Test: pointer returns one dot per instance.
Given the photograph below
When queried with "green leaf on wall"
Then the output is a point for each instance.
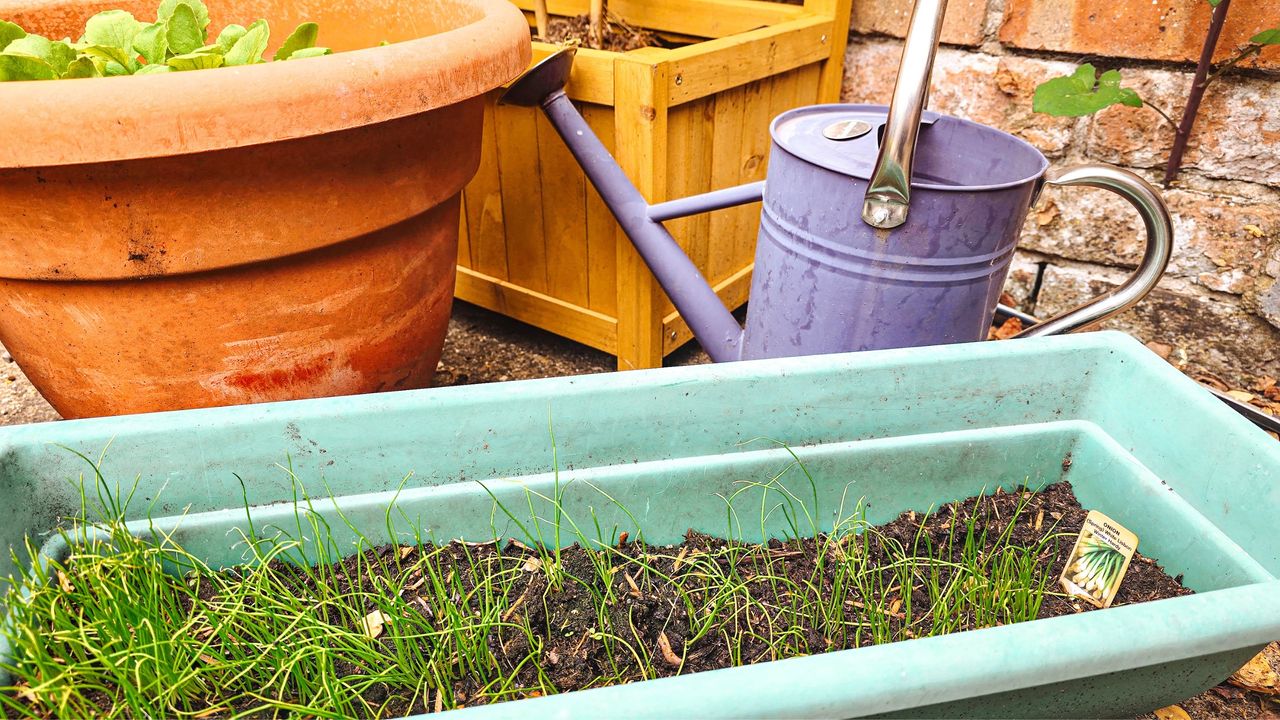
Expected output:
(1082, 93)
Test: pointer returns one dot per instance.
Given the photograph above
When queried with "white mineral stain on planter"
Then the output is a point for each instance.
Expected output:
(86, 319)
(23, 308)
(332, 302)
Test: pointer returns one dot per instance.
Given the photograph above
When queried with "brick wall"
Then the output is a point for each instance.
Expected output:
(1218, 309)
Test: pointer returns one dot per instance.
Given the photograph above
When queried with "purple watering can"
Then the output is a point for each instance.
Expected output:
(880, 228)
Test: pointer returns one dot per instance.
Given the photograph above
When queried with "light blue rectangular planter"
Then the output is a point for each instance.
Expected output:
(906, 429)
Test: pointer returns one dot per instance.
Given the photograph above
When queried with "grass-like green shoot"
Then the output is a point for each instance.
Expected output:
(130, 626)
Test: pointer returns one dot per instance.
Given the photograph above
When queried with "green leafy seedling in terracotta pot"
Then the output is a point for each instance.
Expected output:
(116, 43)
(272, 231)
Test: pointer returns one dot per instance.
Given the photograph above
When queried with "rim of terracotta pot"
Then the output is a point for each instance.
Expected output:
(68, 122)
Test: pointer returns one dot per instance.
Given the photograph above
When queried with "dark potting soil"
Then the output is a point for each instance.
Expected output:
(573, 660)
(564, 620)
(616, 35)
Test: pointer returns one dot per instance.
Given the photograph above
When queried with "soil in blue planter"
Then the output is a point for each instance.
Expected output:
(628, 612)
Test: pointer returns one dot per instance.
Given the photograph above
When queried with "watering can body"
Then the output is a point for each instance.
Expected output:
(825, 281)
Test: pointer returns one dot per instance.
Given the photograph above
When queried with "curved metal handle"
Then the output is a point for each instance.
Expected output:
(889, 191)
(1146, 199)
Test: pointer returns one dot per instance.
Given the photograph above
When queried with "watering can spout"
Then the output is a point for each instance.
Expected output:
(712, 324)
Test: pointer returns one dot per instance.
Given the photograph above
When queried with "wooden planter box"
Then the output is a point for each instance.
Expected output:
(537, 242)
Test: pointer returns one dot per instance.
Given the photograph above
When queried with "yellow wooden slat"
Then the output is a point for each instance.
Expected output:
(564, 217)
(521, 178)
(640, 138)
(602, 229)
(703, 18)
(484, 204)
(464, 237)
(831, 78)
(754, 158)
(585, 326)
(689, 173)
(786, 93)
(726, 171)
(706, 68)
(808, 85)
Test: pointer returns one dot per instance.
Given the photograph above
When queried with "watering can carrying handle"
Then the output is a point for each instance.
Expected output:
(1146, 200)
(888, 195)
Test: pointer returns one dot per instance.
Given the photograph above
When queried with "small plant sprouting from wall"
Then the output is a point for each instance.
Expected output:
(1084, 92)
(116, 43)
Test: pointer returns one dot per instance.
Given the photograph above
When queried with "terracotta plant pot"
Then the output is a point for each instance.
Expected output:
(245, 234)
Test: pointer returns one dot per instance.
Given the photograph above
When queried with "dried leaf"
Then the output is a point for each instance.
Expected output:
(1241, 395)
(371, 624)
(533, 564)
(635, 589)
(1173, 712)
(1227, 692)
(1212, 381)
(210, 712)
(1011, 327)
(895, 606)
(64, 582)
(1257, 675)
(406, 551)
(515, 605)
(1161, 349)
(668, 655)
(1039, 519)
(1255, 231)
(680, 558)
(1045, 215)
(439, 701)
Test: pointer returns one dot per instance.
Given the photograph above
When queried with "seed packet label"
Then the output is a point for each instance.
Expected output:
(1099, 560)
